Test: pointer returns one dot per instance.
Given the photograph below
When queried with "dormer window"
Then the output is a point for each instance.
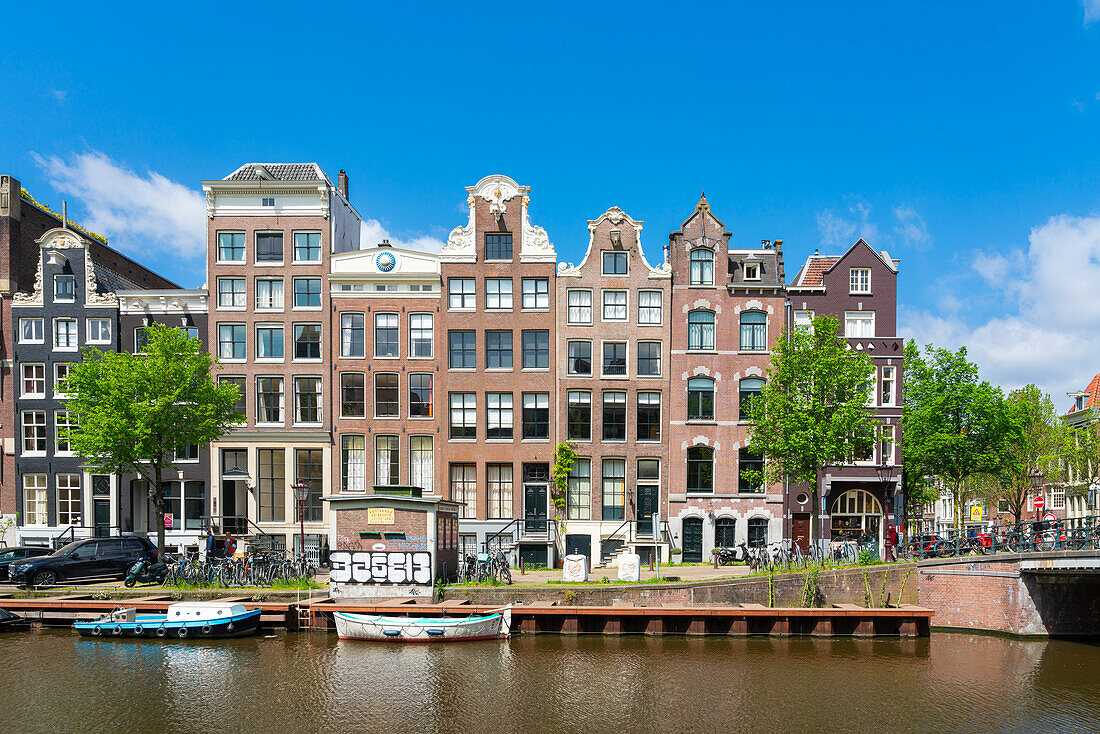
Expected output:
(859, 280)
(1079, 404)
(64, 288)
(752, 271)
(702, 267)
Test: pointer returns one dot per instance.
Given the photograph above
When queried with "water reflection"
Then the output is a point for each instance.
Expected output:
(311, 681)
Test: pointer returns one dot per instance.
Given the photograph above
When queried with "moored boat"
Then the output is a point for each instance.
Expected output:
(9, 620)
(425, 629)
(183, 620)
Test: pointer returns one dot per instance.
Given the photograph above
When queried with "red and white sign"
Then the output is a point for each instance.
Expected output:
(1049, 516)
(168, 520)
(1039, 502)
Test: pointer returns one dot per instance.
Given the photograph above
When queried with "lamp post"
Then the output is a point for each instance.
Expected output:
(1036, 487)
(301, 495)
(884, 471)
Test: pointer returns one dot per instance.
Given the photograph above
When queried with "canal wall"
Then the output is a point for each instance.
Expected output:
(1033, 594)
(834, 586)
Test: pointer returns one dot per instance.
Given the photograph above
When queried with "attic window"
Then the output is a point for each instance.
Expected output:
(752, 271)
(1080, 402)
(267, 201)
(859, 280)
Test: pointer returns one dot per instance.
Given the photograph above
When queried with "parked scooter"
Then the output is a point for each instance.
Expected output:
(144, 572)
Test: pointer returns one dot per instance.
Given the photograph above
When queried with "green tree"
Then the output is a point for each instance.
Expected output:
(133, 411)
(918, 486)
(956, 426)
(1034, 445)
(812, 412)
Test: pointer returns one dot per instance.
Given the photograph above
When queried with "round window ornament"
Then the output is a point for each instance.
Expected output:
(385, 261)
(802, 498)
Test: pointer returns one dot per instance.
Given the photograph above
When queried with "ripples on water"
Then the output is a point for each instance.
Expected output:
(57, 682)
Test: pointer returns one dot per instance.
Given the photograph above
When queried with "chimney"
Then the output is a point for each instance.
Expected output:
(342, 183)
(385, 243)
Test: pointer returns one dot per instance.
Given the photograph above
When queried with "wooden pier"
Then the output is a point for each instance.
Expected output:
(618, 619)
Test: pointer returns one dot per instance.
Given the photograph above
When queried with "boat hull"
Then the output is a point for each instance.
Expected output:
(155, 626)
(397, 629)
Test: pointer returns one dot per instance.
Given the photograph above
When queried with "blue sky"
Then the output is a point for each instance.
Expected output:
(961, 137)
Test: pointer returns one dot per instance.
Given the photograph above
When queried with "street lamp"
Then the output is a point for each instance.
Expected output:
(1036, 487)
(301, 495)
(884, 471)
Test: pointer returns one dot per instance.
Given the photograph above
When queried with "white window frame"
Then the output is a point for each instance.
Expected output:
(751, 271)
(535, 295)
(859, 281)
(270, 304)
(803, 319)
(861, 316)
(294, 244)
(579, 307)
(40, 501)
(660, 308)
(55, 282)
(37, 436)
(270, 326)
(495, 291)
(625, 305)
(31, 321)
(422, 463)
(23, 380)
(462, 294)
(61, 418)
(430, 329)
(97, 339)
(888, 396)
(74, 332)
(57, 367)
(218, 248)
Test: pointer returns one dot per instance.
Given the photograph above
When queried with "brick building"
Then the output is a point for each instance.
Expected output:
(726, 315)
(271, 233)
(859, 288)
(612, 326)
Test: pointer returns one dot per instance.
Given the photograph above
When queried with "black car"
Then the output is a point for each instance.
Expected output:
(94, 558)
(18, 553)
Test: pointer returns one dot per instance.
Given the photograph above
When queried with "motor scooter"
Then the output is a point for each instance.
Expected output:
(143, 572)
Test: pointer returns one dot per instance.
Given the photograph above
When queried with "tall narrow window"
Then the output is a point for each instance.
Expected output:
(579, 358)
(385, 395)
(307, 399)
(578, 500)
(385, 335)
(230, 246)
(750, 471)
(649, 359)
(309, 469)
(580, 307)
(463, 415)
(464, 489)
(238, 382)
(68, 499)
(702, 267)
(499, 491)
(231, 341)
(421, 335)
(231, 293)
(498, 350)
(307, 246)
(307, 341)
(700, 469)
(748, 390)
(614, 488)
(649, 308)
(64, 288)
(34, 381)
(649, 416)
(536, 415)
(269, 400)
(63, 422)
(353, 463)
(614, 415)
(269, 341)
(498, 246)
(614, 359)
(65, 334)
(386, 458)
(35, 509)
(420, 395)
(271, 484)
(352, 335)
(754, 331)
(34, 431)
(579, 415)
(889, 384)
(353, 395)
(498, 415)
(269, 294)
(701, 330)
(421, 463)
(701, 399)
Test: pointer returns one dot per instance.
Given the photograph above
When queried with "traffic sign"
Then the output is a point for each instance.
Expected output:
(1038, 502)
(1049, 516)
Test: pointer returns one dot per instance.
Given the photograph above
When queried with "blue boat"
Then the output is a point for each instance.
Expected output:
(185, 620)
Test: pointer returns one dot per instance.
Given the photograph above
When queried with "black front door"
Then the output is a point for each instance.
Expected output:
(102, 512)
(693, 540)
(647, 505)
(534, 508)
(579, 545)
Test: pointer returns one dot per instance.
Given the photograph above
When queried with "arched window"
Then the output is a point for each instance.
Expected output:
(758, 532)
(700, 469)
(725, 535)
(702, 267)
(701, 330)
(754, 331)
(855, 513)
(749, 388)
(701, 399)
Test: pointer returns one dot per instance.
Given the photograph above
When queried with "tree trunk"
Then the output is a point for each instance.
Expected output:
(158, 502)
(815, 519)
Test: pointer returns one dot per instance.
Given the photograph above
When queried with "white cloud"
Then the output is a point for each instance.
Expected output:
(1092, 10)
(1050, 326)
(138, 213)
(845, 228)
(911, 229)
(372, 232)
(61, 95)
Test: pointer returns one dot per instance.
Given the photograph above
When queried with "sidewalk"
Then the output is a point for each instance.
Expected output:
(700, 572)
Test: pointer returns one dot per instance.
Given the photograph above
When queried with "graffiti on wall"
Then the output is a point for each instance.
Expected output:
(380, 567)
(382, 543)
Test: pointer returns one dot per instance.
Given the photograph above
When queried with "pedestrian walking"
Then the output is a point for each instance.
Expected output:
(211, 544)
(230, 545)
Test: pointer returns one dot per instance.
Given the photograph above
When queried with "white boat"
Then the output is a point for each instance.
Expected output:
(425, 629)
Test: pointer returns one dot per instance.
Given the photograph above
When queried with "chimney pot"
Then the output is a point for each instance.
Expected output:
(342, 183)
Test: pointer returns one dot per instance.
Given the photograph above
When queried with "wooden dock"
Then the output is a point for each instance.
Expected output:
(618, 619)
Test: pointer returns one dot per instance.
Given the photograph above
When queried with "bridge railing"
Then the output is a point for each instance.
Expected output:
(1029, 536)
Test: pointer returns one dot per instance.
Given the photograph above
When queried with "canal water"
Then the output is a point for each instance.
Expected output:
(54, 681)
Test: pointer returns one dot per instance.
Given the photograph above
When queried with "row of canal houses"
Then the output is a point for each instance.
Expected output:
(362, 364)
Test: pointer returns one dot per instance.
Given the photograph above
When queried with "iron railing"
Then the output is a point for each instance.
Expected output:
(511, 534)
(1029, 536)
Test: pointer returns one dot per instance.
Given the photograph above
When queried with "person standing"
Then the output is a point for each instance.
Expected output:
(230, 545)
(211, 544)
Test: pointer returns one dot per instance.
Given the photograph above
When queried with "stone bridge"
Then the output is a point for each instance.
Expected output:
(1044, 594)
